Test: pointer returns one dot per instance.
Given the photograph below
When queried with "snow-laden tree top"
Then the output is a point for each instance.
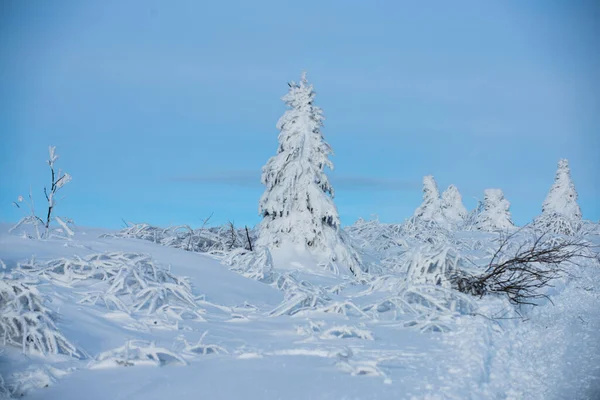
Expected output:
(297, 205)
(431, 208)
(452, 206)
(495, 212)
(562, 197)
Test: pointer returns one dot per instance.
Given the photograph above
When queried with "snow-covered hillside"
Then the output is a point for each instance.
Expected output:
(153, 322)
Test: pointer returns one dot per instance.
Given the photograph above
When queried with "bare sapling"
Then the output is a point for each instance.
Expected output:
(58, 181)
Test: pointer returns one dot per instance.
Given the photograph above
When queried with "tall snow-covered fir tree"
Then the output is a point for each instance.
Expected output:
(297, 205)
(560, 211)
(452, 206)
(431, 207)
(494, 214)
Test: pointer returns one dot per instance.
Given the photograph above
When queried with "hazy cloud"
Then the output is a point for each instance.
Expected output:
(251, 179)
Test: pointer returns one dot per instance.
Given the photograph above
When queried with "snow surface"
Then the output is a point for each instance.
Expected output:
(341, 347)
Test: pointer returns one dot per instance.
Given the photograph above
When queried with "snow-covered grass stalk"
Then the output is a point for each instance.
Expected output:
(25, 321)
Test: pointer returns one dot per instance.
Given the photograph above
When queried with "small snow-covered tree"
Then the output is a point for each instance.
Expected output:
(560, 211)
(562, 197)
(431, 208)
(494, 214)
(297, 205)
(58, 180)
(452, 206)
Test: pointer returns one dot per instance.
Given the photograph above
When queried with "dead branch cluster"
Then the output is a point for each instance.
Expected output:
(523, 273)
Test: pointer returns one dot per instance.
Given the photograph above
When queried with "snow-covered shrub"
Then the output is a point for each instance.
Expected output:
(202, 348)
(257, 264)
(431, 307)
(453, 210)
(4, 391)
(494, 213)
(58, 180)
(297, 206)
(347, 332)
(141, 231)
(431, 265)
(589, 228)
(300, 296)
(560, 211)
(522, 269)
(214, 240)
(34, 378)
(425, 231)
(557, 223)
(137, 352)
(25, 321)
(127, 282)
(375, 235)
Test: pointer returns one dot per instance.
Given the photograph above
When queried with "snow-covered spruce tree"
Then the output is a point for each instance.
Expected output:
(297, 205)
(452, 206)
(494, 214)
(560, 211)
(431, 208)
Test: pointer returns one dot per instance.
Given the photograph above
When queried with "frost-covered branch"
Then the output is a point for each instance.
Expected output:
(523, 274)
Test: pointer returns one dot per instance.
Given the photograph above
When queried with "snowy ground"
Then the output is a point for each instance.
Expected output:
(342, 349)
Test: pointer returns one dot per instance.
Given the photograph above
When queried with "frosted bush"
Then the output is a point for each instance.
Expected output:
(216, 240)
(141, 231)
(431, 265)
(4, 391)
(426, 307)
(34, 378)
(557, 223)
(137, 352)
(376, 236)
(256, 264)
(127, 282)
(25, 321)
(425, 231)
(346, 332)
(300, 296)
(202, 348)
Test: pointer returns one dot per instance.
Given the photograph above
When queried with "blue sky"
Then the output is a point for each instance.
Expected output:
(164, 112)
